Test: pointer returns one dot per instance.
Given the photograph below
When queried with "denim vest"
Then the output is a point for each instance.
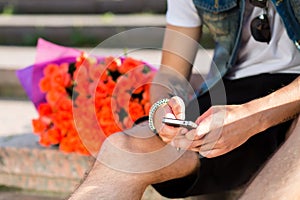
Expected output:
(224, 19)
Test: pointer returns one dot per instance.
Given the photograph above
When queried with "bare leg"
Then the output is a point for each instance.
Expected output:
(280, 178)
(126, 165)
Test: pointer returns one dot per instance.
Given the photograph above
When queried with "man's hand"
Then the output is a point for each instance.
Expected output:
(174, 109)
(221, 129)
(224, 128)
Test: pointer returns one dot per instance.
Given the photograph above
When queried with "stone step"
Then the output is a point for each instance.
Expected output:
(81, 7)
(83, 30)
(75, 30)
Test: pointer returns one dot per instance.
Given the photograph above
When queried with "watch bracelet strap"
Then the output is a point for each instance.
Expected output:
(153, 109)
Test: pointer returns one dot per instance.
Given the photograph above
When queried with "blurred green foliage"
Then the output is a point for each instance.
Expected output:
(8, 9)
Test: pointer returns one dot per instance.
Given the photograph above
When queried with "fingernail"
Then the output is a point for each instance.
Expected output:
(200, 131)
(170, 115)
(181, 116)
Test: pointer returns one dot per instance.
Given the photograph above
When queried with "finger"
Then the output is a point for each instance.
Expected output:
(163, 110)
(170, 115)
(212, 153)
(197, 144)
(201, 145)
(165, 139)
(167, 133)
(182, 131)
(181, 142)
(191, 135)
(203, 116)
(208, 153)
(159, 114)
(203, 128)
(206, 144)
(178, 107)
(211, 141)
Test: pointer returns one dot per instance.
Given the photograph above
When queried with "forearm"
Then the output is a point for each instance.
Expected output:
(179, 49)
(277, 107)
(168, 84)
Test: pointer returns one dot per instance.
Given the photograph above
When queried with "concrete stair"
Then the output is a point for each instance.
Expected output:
(76, 22)
(82, 7)
(74, 30)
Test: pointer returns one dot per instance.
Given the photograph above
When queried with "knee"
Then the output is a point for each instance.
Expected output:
(133, 142)
(117, 140)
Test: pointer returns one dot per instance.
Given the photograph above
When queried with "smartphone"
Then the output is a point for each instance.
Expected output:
(179, 123)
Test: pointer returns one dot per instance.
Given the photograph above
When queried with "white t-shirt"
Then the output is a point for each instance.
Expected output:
(279, 56)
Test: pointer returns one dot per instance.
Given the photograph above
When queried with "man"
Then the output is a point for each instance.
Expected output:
(242, 109)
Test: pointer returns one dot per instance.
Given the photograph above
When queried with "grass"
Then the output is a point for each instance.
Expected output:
(8, 9)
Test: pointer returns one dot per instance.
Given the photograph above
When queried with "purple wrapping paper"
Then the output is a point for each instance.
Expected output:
(47, 53)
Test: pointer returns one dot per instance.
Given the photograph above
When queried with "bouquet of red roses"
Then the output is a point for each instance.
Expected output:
(83, 99)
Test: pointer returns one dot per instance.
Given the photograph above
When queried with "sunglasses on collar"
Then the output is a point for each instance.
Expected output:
(260, 26)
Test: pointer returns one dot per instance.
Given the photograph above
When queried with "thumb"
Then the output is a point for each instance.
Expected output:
(178, 107)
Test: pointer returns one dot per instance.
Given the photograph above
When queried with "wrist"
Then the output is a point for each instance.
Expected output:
(259, 118)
